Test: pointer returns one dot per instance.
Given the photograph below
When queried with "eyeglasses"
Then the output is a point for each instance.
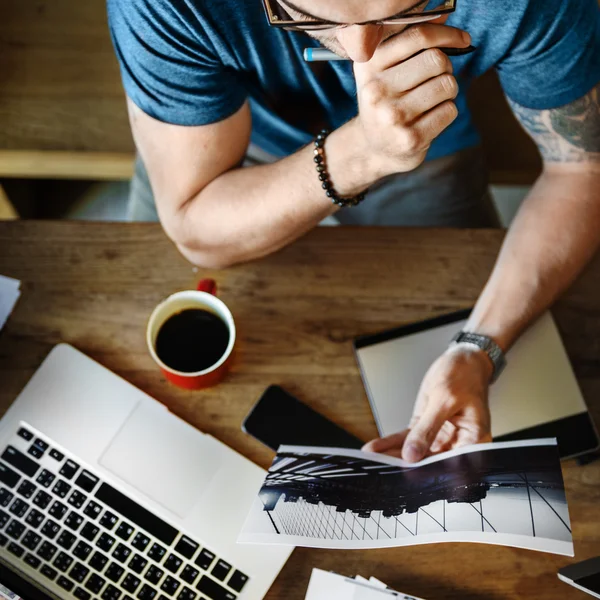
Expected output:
(278, 17)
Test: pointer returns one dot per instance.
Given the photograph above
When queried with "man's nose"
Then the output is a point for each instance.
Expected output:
(360, 41)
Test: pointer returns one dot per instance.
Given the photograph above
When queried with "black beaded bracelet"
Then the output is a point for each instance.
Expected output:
(324, 175)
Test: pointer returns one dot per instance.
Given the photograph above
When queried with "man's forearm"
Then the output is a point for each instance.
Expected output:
(553, 237)
(249, 212)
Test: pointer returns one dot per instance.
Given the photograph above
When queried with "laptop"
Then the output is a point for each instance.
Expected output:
(537, 395)
(106, 494)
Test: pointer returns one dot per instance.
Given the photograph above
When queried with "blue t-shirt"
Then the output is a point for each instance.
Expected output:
(195, 62)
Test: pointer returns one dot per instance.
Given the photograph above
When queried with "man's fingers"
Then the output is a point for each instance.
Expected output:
(417, 70)
(385, 444)
(409, 42)
(421, 436)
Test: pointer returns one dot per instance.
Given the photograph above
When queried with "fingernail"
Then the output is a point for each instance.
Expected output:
(466, 37)
(412, 453)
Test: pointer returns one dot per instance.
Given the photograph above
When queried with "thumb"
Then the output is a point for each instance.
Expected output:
(423, 433)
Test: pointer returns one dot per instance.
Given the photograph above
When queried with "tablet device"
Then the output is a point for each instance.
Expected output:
(537, 395)
(585, 576)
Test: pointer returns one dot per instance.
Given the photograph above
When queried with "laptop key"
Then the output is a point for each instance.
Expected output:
(45, 478)
(61, 488)
(124, 531)
(95, 583)
(15, 549)
(50, 529)
(82, 550)
(170, 585)
(98, 561)
(41, 444)
(25, 434)
(173, 563)
(213, 590)
(89, 531)
(47, 551)
(77, 499)
(74, 521)
(79, 572)
(140, 541)
(137, 563)
(157, 552)
(35, 518)
(111, 593)
(62, 562)
(187, 594)
(35, 452)
(86, 481)
(26, 489)
(8, 476)
(48, 572)
(105, 542)
(92, 510)
(81, 594)
(189, 574)
(19, 507)
(114, 572)
(65, 583)
(56, 455)
(130, 583)
(66, 539)
(108, 520)
(32, 561)
(3, 540)
(154, 574)
(121, 553)
(15, 530)
(146, 593)
(186, 546)
(20, 461)
(31, 540)
(221, 570)
(42, 499)
(5, 497)
(69, 469)
(205, 559)
(58, 510)
(4, 518)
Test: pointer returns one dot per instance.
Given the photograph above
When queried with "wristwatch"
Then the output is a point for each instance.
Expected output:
(488, 345)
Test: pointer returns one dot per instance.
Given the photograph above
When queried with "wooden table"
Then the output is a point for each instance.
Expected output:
(93, 285)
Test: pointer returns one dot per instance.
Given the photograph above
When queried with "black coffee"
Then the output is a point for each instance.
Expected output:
(192, 340)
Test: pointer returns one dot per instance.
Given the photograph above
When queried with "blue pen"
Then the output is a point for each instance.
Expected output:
(322, 54)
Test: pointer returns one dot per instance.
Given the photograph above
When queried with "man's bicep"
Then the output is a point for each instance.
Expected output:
(181, 161)
(567, 134)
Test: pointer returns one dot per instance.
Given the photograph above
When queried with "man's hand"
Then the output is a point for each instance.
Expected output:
(405, 95)
(451, 409)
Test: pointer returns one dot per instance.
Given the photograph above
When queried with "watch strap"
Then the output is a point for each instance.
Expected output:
(487, 345)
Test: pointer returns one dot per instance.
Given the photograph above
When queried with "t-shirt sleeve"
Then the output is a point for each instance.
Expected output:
(170, 69)
(554, 58)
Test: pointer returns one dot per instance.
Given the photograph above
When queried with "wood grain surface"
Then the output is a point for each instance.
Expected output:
(94, 285)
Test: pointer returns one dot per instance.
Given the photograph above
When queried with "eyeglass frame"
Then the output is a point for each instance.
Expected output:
(323, 24)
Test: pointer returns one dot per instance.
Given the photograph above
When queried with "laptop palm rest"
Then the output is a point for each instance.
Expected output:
(163, 457)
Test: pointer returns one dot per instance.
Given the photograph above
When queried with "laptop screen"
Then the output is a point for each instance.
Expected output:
(14, 586)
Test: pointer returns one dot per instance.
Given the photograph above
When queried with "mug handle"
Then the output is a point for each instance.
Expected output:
(207, 285)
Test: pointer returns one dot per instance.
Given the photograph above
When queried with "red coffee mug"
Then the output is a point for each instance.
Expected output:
(204, 298)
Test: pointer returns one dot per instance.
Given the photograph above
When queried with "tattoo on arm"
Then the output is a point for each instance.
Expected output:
(570, 133)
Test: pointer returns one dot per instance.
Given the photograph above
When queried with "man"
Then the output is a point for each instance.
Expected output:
(206, 77)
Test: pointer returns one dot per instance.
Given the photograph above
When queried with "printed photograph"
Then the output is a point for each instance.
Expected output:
(508, 493)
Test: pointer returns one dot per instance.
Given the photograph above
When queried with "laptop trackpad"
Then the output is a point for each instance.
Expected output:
(163, 457)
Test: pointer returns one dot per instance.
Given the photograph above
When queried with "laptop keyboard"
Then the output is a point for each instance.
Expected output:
(93, 541)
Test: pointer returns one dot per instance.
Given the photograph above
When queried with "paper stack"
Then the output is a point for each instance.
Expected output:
(9, 294)
(331, 586)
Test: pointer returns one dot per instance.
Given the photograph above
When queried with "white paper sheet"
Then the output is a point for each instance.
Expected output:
(9, 294)
(325, 585)
(510, 493)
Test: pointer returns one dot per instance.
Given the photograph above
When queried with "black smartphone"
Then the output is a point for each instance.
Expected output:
(584, 576)
(279, 418)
